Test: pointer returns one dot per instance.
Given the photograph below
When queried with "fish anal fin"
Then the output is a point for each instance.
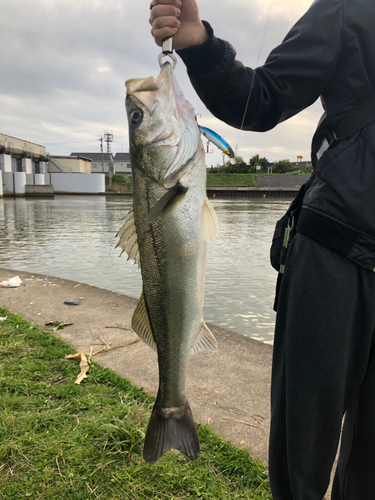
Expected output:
(210, 225)
(171, 428)
(165, 201)
(141, 323)
(205, 340)
(128, 238)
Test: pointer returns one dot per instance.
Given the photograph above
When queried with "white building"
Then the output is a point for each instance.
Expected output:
(100, 162)
(18, 155)
(122, 163)
(24, 163)
(21, 162)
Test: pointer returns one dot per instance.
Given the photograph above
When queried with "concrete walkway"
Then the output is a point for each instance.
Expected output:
(229, 389)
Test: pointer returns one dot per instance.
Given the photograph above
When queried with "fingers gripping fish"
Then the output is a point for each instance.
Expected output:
(166, 233)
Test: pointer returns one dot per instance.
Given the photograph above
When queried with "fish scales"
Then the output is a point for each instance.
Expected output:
(173, 220)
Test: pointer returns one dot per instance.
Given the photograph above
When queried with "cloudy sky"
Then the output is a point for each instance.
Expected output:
(64, 63)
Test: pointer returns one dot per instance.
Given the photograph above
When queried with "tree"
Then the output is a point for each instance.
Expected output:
(257, 161)
(282, 166)
(239, 166)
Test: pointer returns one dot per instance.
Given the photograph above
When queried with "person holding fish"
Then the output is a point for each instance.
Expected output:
(324, 348)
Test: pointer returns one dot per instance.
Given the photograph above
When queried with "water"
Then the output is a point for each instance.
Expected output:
(73, 237)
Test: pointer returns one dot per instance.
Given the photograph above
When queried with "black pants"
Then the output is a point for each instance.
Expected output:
(323, 368)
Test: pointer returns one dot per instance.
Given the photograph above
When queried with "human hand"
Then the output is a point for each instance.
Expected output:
(180, 20)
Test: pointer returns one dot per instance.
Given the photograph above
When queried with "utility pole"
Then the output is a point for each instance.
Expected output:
(101, 149)
(108, 137)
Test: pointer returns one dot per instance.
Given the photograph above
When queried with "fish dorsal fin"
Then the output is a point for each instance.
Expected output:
(164, 201)
(210, 225)
(205, 340)
(141, 323)
(128, 241)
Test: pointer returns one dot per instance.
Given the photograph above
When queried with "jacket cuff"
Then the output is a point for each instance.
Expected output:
(203, 58)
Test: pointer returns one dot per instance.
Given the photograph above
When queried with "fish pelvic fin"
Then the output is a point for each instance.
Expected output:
(166, 200)
(128, 240)
(141, 323)
(205, 340)
(171, 428)
(210, 224)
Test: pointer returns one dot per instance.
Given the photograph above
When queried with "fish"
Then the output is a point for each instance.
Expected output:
(166, 233)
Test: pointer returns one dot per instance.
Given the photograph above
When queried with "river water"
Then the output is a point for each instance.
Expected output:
(73, 237)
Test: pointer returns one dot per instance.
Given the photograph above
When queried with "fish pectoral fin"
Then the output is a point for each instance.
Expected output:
(210, 225)
(141, 323)
(165, 201)
(205, 340)
(128, 240)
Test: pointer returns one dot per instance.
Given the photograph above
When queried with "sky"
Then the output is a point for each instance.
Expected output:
(63, 64)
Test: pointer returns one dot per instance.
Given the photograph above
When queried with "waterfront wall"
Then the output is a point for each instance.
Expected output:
(237, 192)
(281, 181)
(15, 183)
(38, 190)
(77, 183)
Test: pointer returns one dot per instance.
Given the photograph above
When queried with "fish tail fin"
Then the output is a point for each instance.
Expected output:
(171, 428)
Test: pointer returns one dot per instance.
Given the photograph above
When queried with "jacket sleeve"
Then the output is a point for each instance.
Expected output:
(293, 77)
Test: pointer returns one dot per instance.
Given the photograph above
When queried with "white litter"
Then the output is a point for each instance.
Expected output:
(11, 282)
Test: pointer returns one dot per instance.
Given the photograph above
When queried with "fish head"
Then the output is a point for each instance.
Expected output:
(163, 132)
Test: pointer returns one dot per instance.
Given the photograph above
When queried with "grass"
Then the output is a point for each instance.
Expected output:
(122, 179)
(59, 440)
(122, 183)
(231, 180)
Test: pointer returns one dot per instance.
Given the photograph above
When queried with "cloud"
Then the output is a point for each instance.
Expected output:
(64, 64)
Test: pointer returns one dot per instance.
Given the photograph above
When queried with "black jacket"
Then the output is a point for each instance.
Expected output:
(329, 53)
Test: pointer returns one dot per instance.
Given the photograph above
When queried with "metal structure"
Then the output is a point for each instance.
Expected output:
(108, 137)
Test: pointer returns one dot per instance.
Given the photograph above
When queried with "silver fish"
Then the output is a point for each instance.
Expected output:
(166, 233)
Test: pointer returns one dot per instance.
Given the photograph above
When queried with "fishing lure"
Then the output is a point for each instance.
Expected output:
(217, 140)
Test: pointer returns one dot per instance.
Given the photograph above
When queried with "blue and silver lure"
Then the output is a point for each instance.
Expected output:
(218, 141)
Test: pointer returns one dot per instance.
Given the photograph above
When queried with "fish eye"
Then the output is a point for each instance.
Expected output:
(136, 117)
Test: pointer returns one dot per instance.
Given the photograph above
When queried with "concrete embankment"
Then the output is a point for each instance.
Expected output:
(275, 186)
(229, 389)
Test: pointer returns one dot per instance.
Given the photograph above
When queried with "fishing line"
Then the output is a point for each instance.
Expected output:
(252, 83)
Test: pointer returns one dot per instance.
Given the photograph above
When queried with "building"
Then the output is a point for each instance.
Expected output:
(21, 162)
(69, 164)
(26, 168)
(100, 162)
(18, 155)
(122, 163)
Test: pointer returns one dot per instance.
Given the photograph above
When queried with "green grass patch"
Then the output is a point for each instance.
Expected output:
(59, 440)
(231, 180)
(122, 179)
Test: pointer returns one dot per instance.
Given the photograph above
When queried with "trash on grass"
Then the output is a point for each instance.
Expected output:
(3, 318)
(57, 325)
(11, 282)
(83, 364)
(72, 302)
